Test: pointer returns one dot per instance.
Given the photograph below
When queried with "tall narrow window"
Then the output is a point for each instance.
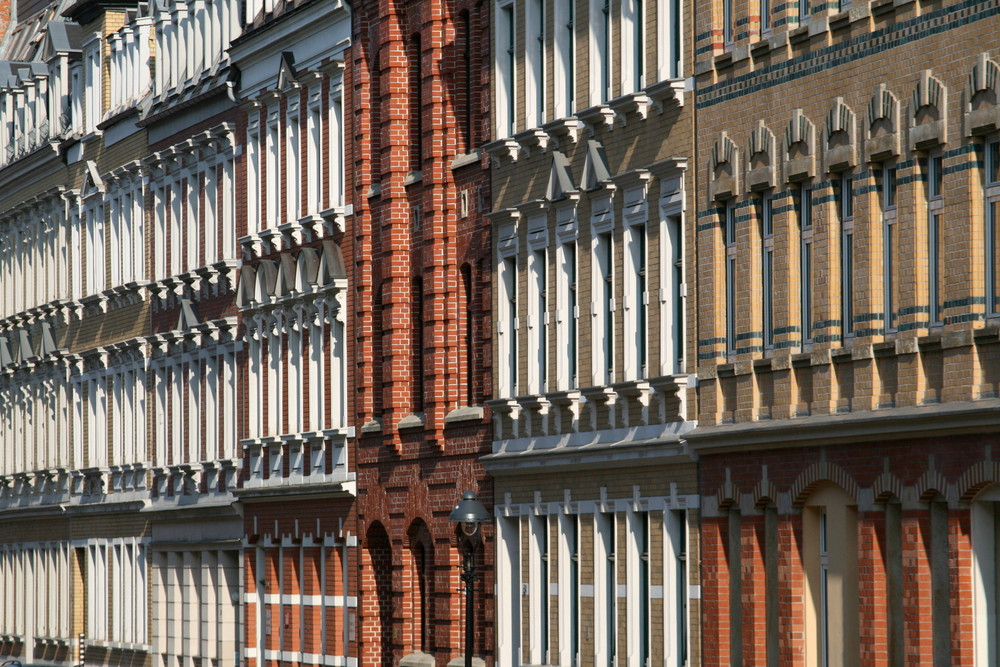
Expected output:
(314, 144)
(538, 314)
(606, 580)
(605, 42)
(605, 258)
(568, 314)
(538, 576)
(986, 576)
(508, 320)
(566, 45)
(417, 102)
(505, 106)
(535, 50)
(672, 284)
(418, 345)
(805, 261)
(727, 21)
(468, 338)
(729, 215)
(272, 157)
(845, 211)
(293, 183)
(991, 244)
(935, 206)
(803, 10)
(894, 581)
(765, 15)
(886, 187)
(637, 256)
(642, 518)
(574, 585)
(767, 268)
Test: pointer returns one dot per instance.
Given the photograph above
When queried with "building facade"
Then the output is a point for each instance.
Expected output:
(120, 341)
(847, 332)
(595, 490)
(298, 490)
(419, 320)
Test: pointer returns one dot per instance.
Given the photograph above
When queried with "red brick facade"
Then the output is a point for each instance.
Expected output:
(419, 300)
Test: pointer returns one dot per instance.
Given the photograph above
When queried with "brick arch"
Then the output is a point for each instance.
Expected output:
(886, 487)
(764, 493)
(818, 474)
(728, 495)
(931, 483)
(375, 637)
(976, 478)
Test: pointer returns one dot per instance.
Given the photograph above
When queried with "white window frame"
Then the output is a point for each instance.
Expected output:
(253, 175)
(293, 162)
(633, 46)
(888, 206)
(273, 168)
(538, 303)
(635, 303)
(985, 520)
(601, 30)
(670, 39)
(602, 247)
(508, 315)
(535, 73)
(505, 68)
(568, 298)
(672, 278)
(935, 212)
(314, 152)
(565, 58)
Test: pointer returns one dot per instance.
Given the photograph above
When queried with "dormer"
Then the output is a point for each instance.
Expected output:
(929, 113)
(724, 169)
(884, 133)
(982, 93)
(800, 148)
(762, 155)
(841, 142)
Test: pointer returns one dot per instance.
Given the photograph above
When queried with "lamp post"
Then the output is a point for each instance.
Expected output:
(468, 514)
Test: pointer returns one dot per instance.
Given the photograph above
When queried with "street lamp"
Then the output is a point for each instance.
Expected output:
(468, 514)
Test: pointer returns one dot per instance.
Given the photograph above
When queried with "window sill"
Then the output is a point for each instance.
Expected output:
(464, 414)
(413, 177)
(465, 159)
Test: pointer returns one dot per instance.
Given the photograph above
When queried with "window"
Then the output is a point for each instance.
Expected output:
(764, 208)
(538, 577)
(293, 165)
(806, 285)
(803, 10)
(468, 338)
(314, 154)
(636, 287)
(93, 214)
(272, 159)
(886, 188)
(606, 589)
(991, 244)
(252, 176)
(830, 557)
(567, 306)
(566, 48)
(844, 193)
(417, 102)
(727, 21)
(600, 51)
(605, 288)
(633, 39)
(336, 139)
(672, 288)
(670, 41)
(538, 329)
(765, 15)
(935, 206)
(508, 322)
(569, 589)
(535, 87)
(729, 217)
(986, 576)
(506, 116)
(939, 559)
(418, 345)
(92, 87)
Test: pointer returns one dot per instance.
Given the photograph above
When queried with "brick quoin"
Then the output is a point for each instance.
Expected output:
(419, 276)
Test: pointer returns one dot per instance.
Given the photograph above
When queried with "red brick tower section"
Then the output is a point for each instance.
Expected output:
(419, 276)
